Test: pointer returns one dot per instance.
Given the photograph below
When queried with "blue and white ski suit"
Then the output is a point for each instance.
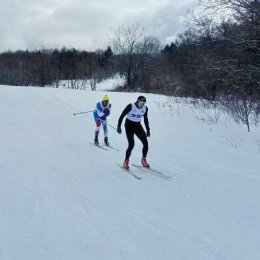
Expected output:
(101, 117)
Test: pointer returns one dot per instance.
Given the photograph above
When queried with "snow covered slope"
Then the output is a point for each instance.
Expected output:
(62, 198)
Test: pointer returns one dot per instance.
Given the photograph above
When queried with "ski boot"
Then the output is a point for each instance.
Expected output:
(106, 141)
(145, 163)
(126, 164)
(96, 141)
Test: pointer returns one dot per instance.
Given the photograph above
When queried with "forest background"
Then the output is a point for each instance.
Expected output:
(217, 59)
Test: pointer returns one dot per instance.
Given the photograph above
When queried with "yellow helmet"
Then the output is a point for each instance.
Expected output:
(105, 98)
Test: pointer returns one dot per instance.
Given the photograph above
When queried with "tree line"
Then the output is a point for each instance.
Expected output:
(48, 67)
(216, 58)
(220, 60)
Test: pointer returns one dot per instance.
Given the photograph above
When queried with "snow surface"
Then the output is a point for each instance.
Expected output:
(107, 84)
(62, 198)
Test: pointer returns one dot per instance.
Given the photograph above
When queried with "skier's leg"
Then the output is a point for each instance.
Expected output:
(131, 143)
(98, 124)
(104, 124)
(140, 133)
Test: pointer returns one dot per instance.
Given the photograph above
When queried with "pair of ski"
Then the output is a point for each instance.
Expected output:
(106, 147)
(147, 169)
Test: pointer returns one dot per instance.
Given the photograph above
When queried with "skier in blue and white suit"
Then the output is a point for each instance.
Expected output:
(101, 112)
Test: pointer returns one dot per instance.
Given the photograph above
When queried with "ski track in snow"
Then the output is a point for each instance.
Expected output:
(62, 198)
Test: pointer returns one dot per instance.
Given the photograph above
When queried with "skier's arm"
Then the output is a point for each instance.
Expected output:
(124, 113)
(102, 113)
(106, 111)
(146, 121)
(99, 110)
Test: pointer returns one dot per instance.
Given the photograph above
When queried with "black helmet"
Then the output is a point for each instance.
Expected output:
(141, 98)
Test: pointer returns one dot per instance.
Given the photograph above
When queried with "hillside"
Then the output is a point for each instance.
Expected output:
(62, 198)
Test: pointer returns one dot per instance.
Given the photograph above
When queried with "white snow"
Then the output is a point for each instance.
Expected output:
(105, 85)
(62, 198)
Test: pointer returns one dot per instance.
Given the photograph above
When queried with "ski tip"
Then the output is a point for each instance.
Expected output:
(152, 170)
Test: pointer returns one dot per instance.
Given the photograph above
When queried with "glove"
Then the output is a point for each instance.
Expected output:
(119, 130)
(148, 133)
(106, 111)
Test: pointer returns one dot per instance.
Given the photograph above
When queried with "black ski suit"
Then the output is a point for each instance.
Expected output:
(135, 128)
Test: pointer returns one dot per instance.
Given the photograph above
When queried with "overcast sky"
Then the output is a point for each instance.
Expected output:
(85, 24)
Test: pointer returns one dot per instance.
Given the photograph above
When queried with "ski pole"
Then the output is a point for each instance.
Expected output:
(100, 118)
(108, 124)
(83, 112)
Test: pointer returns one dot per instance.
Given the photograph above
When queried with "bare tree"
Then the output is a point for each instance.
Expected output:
(135, 49)
(225, 35)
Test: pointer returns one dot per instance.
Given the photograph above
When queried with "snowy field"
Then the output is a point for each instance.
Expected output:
(62, 198)
(107, 84)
